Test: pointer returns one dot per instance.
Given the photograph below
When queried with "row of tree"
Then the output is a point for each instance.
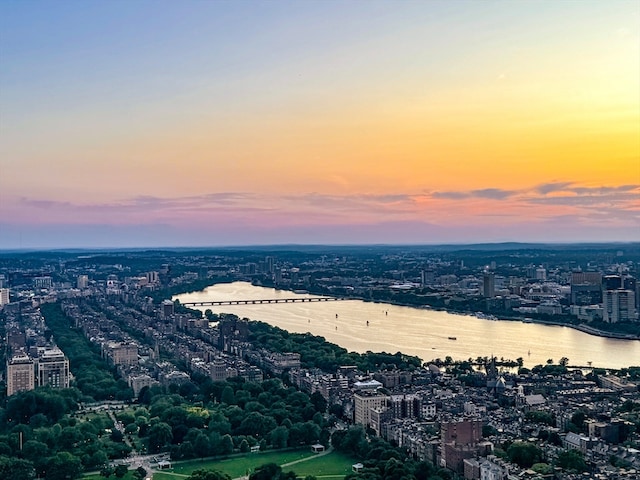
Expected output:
(316, 352)
(93, 377)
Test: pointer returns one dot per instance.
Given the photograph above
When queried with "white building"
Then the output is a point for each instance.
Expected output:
(4, 296)
(619, 306)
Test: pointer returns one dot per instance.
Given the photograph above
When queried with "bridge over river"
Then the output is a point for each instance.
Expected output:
(268, 300)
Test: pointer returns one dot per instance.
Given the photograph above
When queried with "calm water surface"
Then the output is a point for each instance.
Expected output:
(424, 333)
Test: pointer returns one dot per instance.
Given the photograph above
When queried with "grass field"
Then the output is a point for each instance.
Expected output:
(332, 466)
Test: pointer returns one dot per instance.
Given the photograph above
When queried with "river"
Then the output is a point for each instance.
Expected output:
(427, 334)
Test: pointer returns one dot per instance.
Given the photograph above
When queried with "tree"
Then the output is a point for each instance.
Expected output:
(63, 466)
(140, 473)
(488, 431)
(279, 437)
(354, 441)
(564, 361)
(572, 460)
(160, 435)
(120, 471)
(271, 471)
(16, 469)
(244, 446)
(228, 396)
(542, 468)
(201, 446)
(226, 444)
(524, 454)
(35, 451)
(208, 475)
(257, 425)
(107, 471)
(578, 419)
(539, 416)
(319, 402)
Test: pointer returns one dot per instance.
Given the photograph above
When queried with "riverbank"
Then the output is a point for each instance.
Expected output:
(361, 326)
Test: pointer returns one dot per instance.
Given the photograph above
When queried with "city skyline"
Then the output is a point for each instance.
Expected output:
(247, 123)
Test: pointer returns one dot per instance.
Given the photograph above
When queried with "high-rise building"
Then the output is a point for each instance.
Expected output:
(586, 288)
(82, 281)
(619, 306)
(268, 261)
(52, 368)
(153, 277)
(4, 296)
(20, 374)
(489, 285)
(294, 274)
(427, 277)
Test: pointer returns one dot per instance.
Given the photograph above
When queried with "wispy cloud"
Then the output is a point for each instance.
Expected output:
(547, 188)
(489, 193)
(496, 206)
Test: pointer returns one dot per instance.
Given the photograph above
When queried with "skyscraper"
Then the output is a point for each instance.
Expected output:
(489, 285)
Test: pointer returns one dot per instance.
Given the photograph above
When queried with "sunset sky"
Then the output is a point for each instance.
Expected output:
(165, 123)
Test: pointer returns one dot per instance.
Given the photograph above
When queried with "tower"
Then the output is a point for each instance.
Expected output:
(489, 285)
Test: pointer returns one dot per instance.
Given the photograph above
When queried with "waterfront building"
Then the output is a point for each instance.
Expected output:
(586, 288)
(619, 306)
(489, 285)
